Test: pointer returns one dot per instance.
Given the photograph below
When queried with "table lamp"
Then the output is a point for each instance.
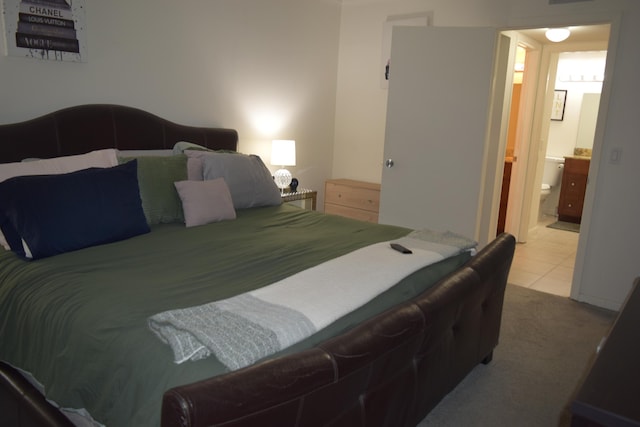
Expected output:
(283, 153)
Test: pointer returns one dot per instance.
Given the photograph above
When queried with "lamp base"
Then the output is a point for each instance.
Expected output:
(282, 178)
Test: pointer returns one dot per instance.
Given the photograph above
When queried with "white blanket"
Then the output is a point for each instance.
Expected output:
(243, 329)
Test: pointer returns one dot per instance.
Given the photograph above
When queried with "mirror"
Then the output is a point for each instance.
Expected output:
(587, 120)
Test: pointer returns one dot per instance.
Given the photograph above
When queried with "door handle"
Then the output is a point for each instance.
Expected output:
(389, 163)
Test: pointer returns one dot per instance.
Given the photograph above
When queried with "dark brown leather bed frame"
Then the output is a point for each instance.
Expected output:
(389, 371)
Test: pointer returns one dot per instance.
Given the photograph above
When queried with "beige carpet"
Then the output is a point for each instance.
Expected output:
(546, 345)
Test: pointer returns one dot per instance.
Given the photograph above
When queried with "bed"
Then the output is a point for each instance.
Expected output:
(83, 319)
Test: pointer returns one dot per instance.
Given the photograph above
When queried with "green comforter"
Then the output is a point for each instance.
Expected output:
(78, 321)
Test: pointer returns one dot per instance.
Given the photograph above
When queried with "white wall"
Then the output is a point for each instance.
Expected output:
(267, 69)
(563, 135)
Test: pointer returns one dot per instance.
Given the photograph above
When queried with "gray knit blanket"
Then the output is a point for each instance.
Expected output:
(248, 327)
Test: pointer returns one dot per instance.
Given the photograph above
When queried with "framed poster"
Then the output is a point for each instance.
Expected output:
(559, 102)
(45, 29)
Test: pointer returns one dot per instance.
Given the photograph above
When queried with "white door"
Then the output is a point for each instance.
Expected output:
(441, 129)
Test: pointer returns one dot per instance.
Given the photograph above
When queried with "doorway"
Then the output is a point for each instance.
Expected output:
(545, 257)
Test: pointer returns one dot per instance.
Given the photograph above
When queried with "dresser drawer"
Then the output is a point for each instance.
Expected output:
(571, 206)
(353, 199)
(353, 194)
(348, 212)
(574, 184)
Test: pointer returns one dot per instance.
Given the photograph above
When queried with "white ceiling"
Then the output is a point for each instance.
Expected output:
(586, 33)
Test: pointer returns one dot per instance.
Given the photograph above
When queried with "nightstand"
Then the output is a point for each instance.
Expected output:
(304, 195)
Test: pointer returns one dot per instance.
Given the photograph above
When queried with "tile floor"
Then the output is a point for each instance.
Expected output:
(545, 262)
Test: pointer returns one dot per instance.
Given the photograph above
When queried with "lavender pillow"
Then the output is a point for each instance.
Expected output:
(204, 202)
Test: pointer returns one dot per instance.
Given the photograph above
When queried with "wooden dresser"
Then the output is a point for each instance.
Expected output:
(574, 186)
(353, 199)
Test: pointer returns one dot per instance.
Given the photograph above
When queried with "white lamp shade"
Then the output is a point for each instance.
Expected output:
(283, 152)
(557, 35)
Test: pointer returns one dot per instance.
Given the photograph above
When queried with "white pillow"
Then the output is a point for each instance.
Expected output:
(194, 164)
(57, 165)
(99, 158)
(205, 201)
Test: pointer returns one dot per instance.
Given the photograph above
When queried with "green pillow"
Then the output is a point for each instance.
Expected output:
(156, 175)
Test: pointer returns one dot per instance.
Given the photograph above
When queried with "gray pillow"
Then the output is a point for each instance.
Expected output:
(180, 147)
(249, 180)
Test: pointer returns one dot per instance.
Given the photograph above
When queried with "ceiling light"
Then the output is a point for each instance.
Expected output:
(557, 34)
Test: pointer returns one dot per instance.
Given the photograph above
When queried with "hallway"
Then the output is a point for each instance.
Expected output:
(545, 263)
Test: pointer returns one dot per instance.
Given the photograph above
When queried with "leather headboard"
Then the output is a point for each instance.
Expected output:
(80, 129)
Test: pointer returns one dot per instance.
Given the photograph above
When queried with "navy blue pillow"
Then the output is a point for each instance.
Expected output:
(60, 213)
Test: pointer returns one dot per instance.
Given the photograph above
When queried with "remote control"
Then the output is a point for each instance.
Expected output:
(398, 247)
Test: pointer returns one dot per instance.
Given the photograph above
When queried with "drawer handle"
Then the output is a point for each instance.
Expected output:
(569, 205)
(573, 184)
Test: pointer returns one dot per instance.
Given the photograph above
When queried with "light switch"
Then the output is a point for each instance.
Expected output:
(614, 158)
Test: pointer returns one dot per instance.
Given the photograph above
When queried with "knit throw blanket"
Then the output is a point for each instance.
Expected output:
(248, 327)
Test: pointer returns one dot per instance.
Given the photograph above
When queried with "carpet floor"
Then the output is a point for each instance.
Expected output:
(547, 343)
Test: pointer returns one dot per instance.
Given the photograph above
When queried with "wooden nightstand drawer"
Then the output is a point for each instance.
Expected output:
(353, 199)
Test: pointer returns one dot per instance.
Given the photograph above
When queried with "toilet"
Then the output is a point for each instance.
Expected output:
(551, 177)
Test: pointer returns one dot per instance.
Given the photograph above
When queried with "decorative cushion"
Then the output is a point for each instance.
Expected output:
(99, 158)
(194, 163)
(195, 153)
(205, 201)
(249, 180)
(52, 214)
(156, 175)
(180, 147)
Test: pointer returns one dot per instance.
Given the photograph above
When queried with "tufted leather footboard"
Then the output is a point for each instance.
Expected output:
(390, 371)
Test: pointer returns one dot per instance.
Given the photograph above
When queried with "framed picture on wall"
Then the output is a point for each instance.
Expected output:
(45, 29)
(559, 102)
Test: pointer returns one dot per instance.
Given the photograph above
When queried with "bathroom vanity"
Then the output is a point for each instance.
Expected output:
(573, 188)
